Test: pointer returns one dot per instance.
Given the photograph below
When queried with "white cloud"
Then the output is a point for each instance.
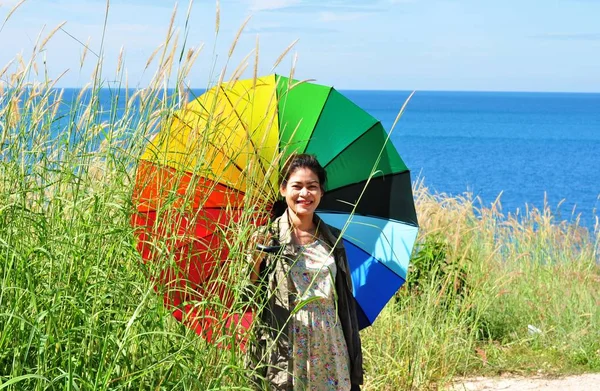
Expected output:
(570, 36)
(339, 16)
(9, 3)
(264, 5)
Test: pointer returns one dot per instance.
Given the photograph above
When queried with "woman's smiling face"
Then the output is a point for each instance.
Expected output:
(302, 191)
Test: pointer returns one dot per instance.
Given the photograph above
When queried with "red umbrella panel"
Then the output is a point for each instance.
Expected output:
(189, 240)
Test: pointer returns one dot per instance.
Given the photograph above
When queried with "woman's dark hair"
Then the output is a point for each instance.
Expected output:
(302, 160)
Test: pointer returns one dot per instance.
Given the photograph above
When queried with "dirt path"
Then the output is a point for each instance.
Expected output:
(588, 382)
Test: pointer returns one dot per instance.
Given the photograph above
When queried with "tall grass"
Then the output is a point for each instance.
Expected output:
(78, 306)
(489, 277)
(78, 310)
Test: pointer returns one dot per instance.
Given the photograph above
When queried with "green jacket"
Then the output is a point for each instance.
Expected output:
(275, 317)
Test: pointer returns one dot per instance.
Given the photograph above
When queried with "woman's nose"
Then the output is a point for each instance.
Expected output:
(303, 191)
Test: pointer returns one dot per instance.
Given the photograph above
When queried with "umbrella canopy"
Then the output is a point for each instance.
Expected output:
(223, 152)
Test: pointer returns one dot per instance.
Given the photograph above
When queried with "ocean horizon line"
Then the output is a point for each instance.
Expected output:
(467, 91)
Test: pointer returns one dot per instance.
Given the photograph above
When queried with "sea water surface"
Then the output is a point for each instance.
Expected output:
(531, 148)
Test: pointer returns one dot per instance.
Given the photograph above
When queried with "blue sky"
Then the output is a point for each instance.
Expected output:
(526, 45)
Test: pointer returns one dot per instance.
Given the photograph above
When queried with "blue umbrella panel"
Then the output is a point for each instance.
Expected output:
(378, 253)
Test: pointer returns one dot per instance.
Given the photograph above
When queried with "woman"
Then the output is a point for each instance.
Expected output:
(310, 328)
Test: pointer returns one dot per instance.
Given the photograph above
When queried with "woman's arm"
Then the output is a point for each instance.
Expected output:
(258, 252)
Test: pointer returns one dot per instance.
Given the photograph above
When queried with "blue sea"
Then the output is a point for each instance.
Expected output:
(529, 147)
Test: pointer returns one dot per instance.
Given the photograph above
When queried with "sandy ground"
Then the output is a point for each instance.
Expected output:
(588, 382)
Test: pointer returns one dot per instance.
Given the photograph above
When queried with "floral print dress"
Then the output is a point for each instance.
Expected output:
(320, 355)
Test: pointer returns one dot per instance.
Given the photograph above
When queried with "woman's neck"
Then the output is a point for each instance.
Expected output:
(303, 223)
(304, 230)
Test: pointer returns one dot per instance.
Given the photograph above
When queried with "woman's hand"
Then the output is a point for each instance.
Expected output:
(258, 243)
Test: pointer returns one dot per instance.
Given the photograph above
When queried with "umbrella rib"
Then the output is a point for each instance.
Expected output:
(264, 171)
(382, 263)
(310, 139)
(216, 183)
(212, 145)
(338, 200)
(357, 241)
(365, 180)
(353, 142)
(337, 212)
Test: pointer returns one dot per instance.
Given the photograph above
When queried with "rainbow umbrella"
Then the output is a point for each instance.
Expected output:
(223, 152)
